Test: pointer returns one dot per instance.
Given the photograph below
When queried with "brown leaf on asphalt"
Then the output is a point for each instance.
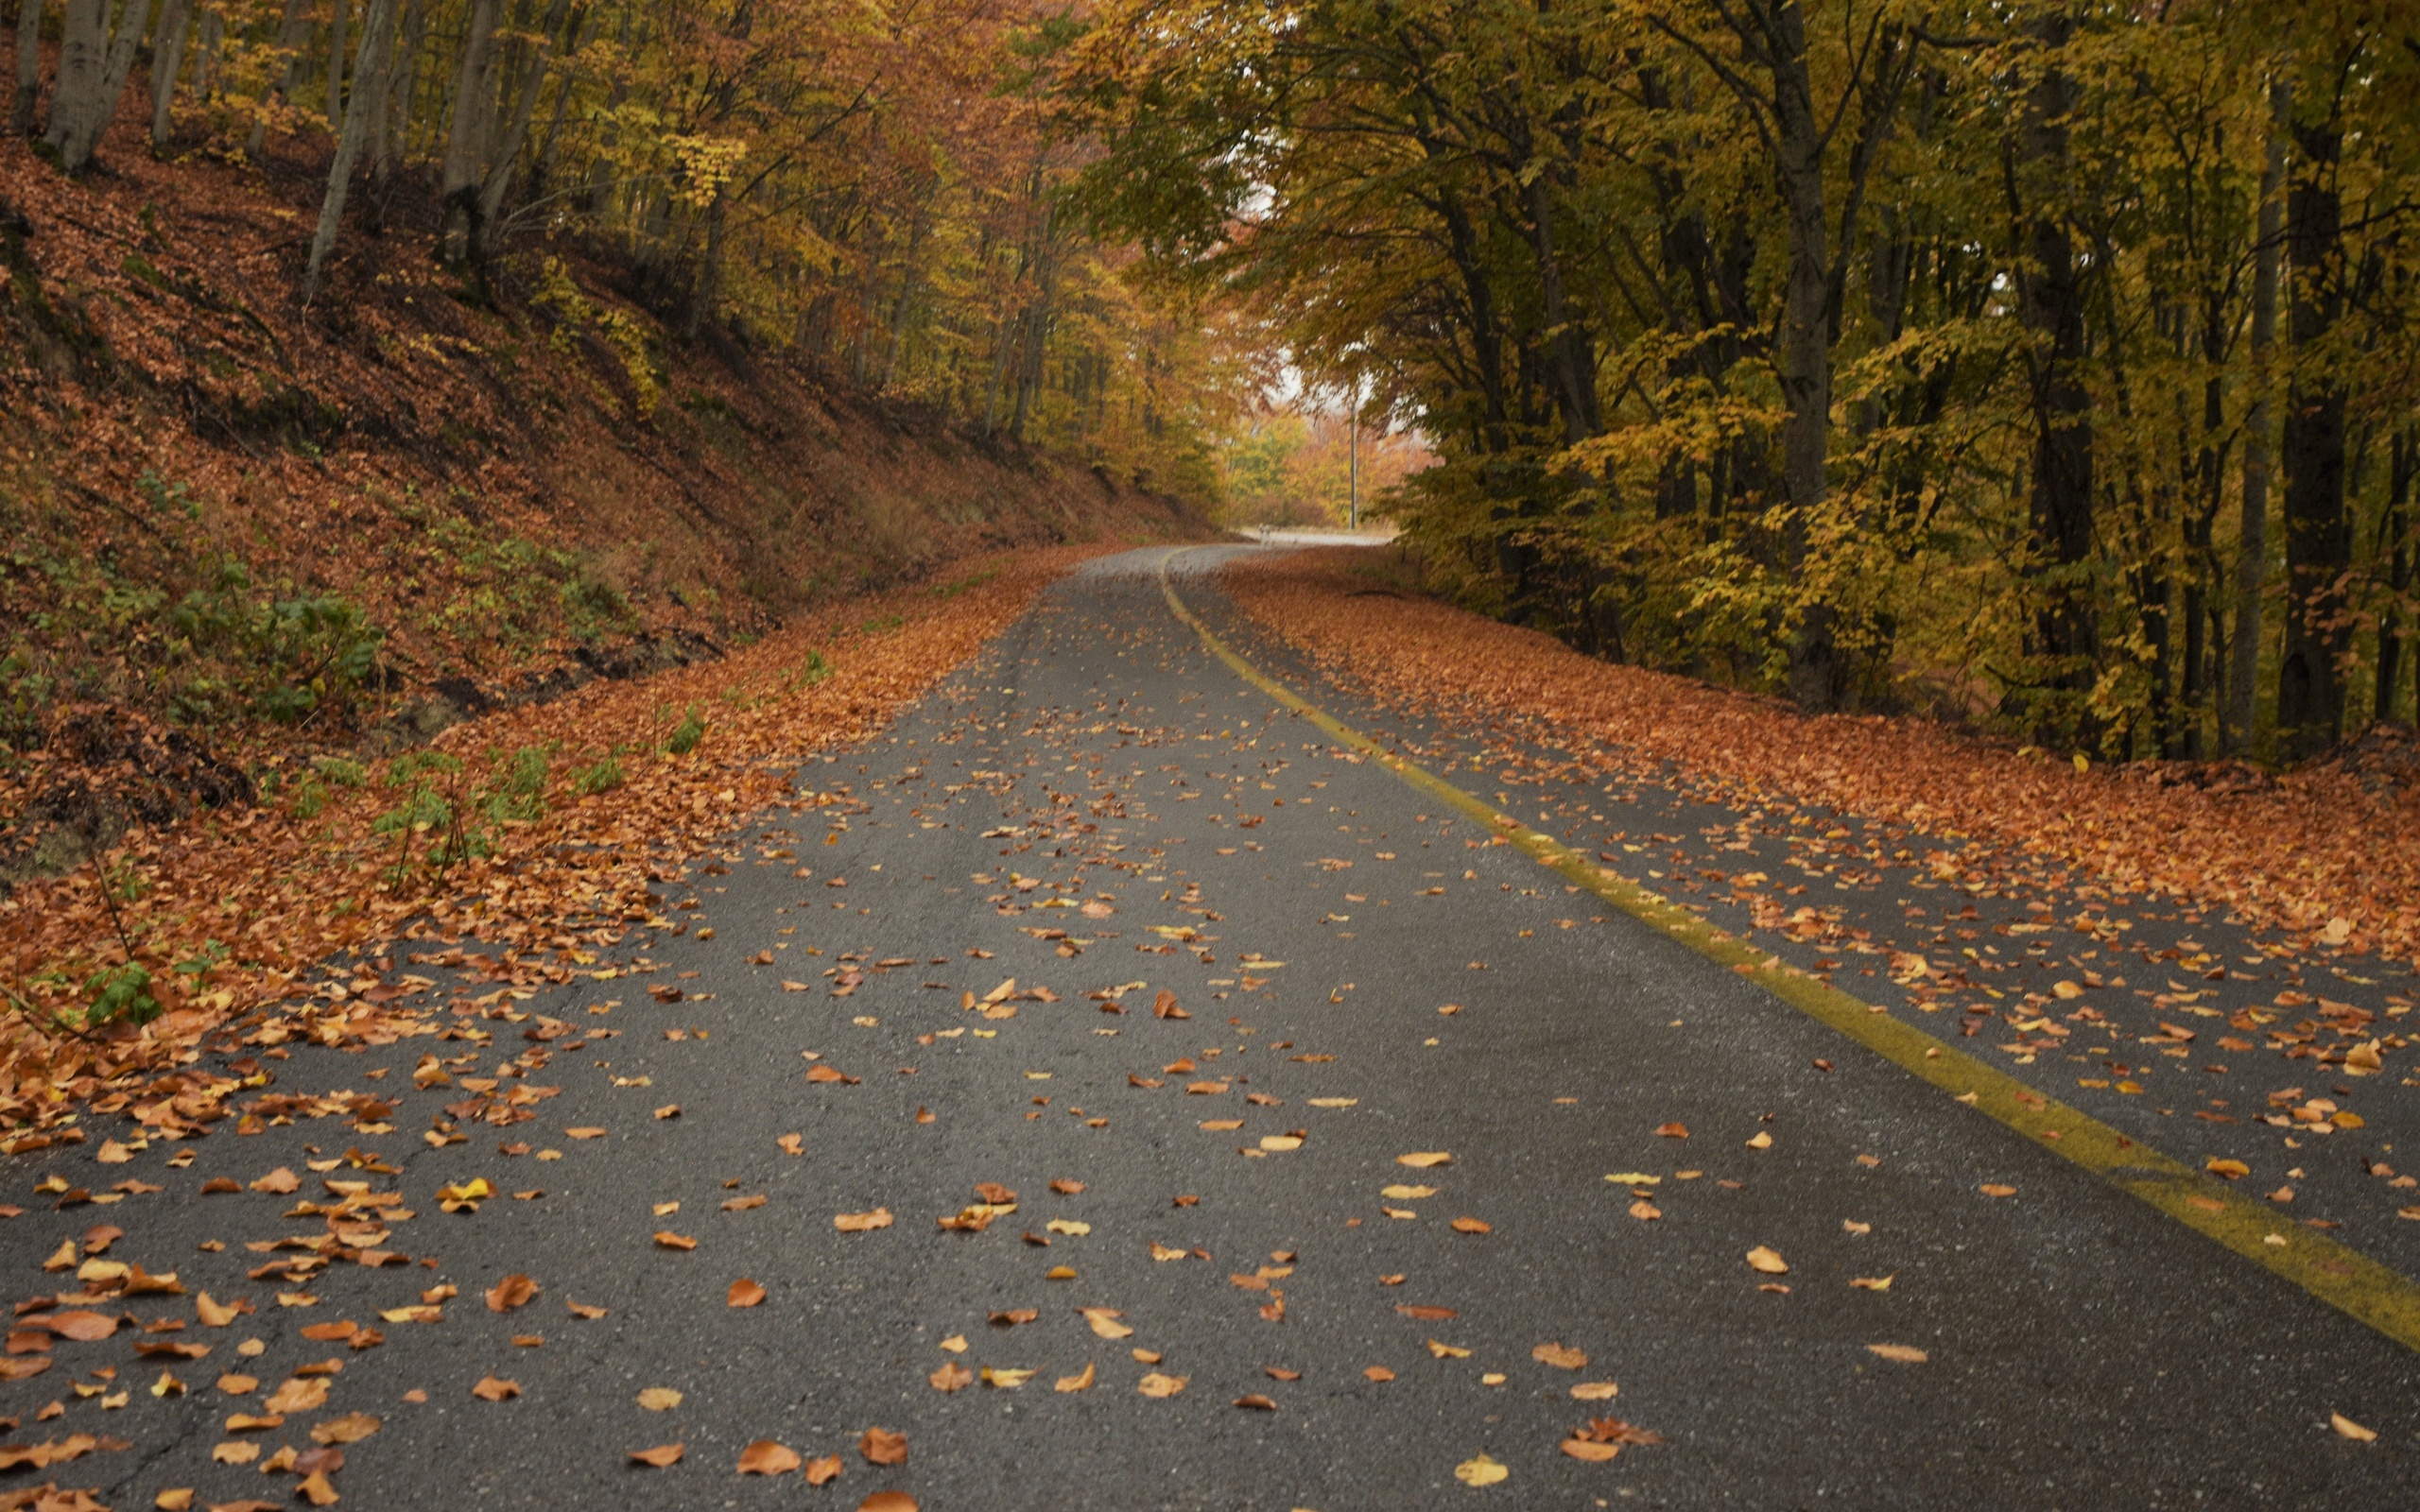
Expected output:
(1257, 1402)
(1162, 1386)
(1767, 1261)
(1066, 1187)
(824, 1469)
(586, 1133)
(888, 1502)
(1013, 1316)
(1904, 1353)
(1558, 1356)
(1588, 1449)
(1594, 1391)
(83, 1326)
(659, 1456)
(743, 1293)
(1424, 1314)
(1994, 1189)
(218, 1315)
(514, 1291)
(245, 1422)
(1645, 1212)
(317, 1489)
(239, 1385)
(1673, 1131)
(1163, 1006)
(668, 1110)
(880, 1446)
(744, 1204)
(584, 1309)
(666, 1239)
(792, 1143)
(995, 1194)
(1105, 1322)
(350, 1429)
(1472, 1226)
(298, 1393)
(1081, 1383)
(281, 1181)
(765, 1457)
(2347, 1428)
(1378, 1373)
(952, 1376)
(861, 1223)
(491, 1389)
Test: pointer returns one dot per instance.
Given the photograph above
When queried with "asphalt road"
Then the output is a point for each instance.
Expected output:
(2080, 1351)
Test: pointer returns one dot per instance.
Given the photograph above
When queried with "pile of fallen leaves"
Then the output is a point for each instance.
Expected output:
(230, 912)
(2326, 851)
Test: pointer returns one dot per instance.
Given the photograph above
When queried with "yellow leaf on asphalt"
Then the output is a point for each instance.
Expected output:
(1158, 1385)
(765, 1457)
(1404, 1193)
(1559, 1356)
(1081, 1382)
(1872, 1284)
(1904, 1353)
(1480, 1471)
(1594, 1391)
(1068, 1226)
(1767, 1261)
(2350, 1429)
(952, 1376)
(659, 1399)
(1423, 1159)
(1447, 1351)
(1004, 1379)
(1104, 1323)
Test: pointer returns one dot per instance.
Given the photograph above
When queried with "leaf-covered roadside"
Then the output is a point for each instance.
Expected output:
(2327, 852)
(538, 830)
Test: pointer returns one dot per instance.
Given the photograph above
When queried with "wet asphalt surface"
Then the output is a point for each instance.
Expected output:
(2083, 1351)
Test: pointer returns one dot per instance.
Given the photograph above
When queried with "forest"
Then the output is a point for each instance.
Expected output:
(2043, 365)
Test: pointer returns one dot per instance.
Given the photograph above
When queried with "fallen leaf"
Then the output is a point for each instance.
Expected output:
(317, 1489)
(585, 1133)
(1672, 1131)
(952, 1376)
(235, 1452)
(1995, 1188)
(1594, 1391)
(888, 1502)
(584, 1309)
(514, 1291)
(792, 1143)
(860, 1223)
(1447, 1351)
(215, 1315)
(491, 1389)
(2349, 1429)
(298, 1393)
(1066, 1187)
(350, 1429)
(1011, 1317)
(659, 1399)
(1081, 1382)
(2232, 1170)
(1904, 1353)
(1158, 1385)
(824, 1469)
(1470, 1226)
(1423, 1313)
(1423, 1160)
(1872, 1284)
(666, 1239)
(765, 1457)
(1257, 1402)
(743, 1293)
(1766, 1261)
(1005, 1379)
(1480, 1471)
(659, 1456)
(80, 1325)
(1589, 1450)
(1559, 1357)
(281, 1181)
(880, 1446)
(1105, 1322)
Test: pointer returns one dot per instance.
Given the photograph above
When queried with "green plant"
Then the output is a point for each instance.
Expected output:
(119, 994)
(340, 770)
(686, 735)
(603, 777)
(520, 785)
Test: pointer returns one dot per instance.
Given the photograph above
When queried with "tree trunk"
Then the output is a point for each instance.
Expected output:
(2052, 307)
(339, 22)
(503, 154)
(2319, 537)
(2252, 549)
(28, 97)
(1566, 343)
(473, 103)
(167, 61)
(1805, 368)
(93, 65)
(2395, 530)
(377, 29)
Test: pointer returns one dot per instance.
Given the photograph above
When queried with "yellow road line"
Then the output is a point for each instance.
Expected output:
(2336, 1273)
